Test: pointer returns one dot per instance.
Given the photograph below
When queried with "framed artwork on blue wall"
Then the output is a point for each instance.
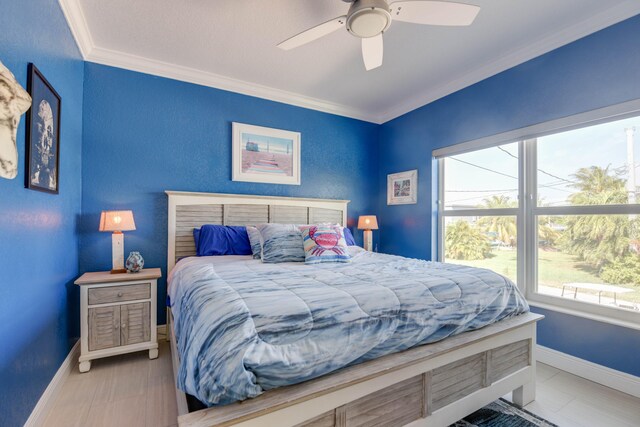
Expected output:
(266, 155)
(402, 188)
(43, 134)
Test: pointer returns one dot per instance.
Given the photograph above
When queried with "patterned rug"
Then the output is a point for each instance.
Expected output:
(502, 414)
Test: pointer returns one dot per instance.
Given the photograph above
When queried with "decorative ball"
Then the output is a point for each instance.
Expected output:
(134, 263)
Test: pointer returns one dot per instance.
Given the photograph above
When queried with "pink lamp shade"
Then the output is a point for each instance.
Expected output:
(117, 221)
(367, 222)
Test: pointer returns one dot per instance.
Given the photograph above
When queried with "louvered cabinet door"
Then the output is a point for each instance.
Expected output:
(135, 323)
(104, 327)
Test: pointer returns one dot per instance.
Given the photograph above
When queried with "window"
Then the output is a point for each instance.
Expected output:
(558, 213)
(481, 209)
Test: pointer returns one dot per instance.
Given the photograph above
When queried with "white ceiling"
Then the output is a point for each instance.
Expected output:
(231, 44)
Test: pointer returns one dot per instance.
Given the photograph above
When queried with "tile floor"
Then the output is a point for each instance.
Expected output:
(131, 390)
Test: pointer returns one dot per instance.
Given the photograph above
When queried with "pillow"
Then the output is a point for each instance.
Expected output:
(324, 243)
(281, 243)
(221, 240)
(348, 237)
(196, 237)
(255, 241)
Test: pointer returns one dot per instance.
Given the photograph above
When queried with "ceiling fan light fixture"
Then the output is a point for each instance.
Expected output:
(368, 18)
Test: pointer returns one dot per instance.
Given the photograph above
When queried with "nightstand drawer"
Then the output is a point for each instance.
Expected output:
(119, 293)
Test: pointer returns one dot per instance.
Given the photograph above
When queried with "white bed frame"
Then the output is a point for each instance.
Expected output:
(431, 385)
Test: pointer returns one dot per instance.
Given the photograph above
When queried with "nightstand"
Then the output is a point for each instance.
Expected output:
(117, 314)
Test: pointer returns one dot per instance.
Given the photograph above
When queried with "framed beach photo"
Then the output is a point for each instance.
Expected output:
(42, 152)
(266, 155)
(402, 188)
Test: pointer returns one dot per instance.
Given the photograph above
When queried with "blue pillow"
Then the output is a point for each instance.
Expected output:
(221, 240)
(348, 237)
(196, 236)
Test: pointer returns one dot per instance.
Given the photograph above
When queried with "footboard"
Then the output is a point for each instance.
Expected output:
(430, 385)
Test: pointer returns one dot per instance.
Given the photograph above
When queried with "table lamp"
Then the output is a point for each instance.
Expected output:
(117, 222)
(368, 223)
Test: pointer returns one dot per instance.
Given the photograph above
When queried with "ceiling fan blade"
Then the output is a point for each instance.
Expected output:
(430, 12)
(313, 33)
(372, 51)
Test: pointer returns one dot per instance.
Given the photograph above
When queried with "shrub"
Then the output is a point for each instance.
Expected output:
(623, 270)
(466, 242)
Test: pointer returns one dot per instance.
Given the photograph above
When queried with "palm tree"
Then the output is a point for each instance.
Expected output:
(465, 242)
(597, 187)
(597, 239)
(547, 236)
(498, 202)
(503, 227)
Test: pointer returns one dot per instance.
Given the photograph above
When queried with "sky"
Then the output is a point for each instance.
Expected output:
(276, 145)
(559, 156)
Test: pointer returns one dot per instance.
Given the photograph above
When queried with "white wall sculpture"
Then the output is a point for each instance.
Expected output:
(14, 101)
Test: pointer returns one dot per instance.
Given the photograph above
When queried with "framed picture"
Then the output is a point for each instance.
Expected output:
(402, 188)
(43, 134)
(265, 155)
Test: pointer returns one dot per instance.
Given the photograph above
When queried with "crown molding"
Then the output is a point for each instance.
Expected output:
(490, 68)
(178, 72)
(76, 19)
(77, 22)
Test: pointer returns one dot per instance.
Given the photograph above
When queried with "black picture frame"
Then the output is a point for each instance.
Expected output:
(42, 154)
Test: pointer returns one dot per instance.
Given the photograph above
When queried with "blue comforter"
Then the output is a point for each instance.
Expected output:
(244, 327)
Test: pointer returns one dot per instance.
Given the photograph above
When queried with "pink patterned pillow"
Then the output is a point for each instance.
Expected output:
(324, 243)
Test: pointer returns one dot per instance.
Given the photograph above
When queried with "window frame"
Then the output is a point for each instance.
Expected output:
(527, 211)
(483, 212)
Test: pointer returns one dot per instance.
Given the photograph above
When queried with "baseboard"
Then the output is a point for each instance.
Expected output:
(162, 330)
(47, 399)
(612, 378)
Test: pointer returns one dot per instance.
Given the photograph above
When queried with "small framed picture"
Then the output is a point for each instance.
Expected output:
(266, 155)
(402, 188)
(43, 134)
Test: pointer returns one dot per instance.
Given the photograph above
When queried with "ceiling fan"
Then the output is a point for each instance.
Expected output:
(369, 19)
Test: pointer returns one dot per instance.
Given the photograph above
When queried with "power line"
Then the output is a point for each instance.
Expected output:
(540, 170)
(511, 176)
(505, 151)
(556, 176)
(482, 191)
(474, 198)
(557, 189)
(482, 167)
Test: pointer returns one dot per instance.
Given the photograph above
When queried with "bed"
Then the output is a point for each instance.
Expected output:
(380, 379)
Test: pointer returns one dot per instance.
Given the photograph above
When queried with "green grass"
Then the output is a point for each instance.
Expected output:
(554, 269)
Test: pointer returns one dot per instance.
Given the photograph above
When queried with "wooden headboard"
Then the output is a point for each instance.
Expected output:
(191, 210)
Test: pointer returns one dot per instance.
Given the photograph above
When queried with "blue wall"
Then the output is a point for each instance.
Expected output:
(598, 342)
(38, 237)
(137, 135)
(144, 135)
(599, 70)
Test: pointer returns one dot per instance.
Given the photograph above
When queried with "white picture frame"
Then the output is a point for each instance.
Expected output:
(402, 188)
(265, 155)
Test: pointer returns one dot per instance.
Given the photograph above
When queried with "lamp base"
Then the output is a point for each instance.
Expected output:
(117, 253)
(368, 240)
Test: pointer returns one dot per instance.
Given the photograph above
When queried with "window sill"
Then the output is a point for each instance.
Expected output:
(587, 315)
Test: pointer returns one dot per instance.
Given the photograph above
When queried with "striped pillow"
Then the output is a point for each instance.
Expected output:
(281, 243)
(324, 243)
(255, 241)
